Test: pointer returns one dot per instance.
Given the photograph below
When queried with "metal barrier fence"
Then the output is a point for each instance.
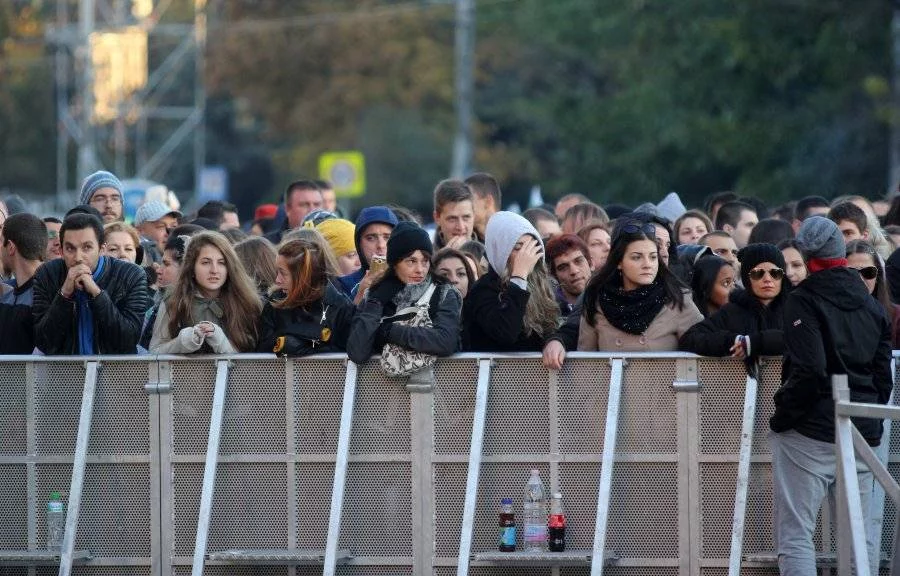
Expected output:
(672, 486)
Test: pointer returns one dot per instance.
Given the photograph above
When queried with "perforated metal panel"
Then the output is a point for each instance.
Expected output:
(518, 412)
(584, 388)
(13, 503)
(313, 483)
(744, 572)
(98, 571)
(254, 418)
(191, 396)
(454, 405)
(57, 393)
(643, 519)
(249, 506)
(578, 484)
(12, 409)
(721, 405)
(318, 393)
(377, 510)
(381, 418)
(647, 416)
(769, 382)
(121, 413)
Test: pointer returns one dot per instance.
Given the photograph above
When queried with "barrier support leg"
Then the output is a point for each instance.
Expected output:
(743, 478)
(209, 473)
(78, 466)
(478, 421)
(606, 466)
(340, 470)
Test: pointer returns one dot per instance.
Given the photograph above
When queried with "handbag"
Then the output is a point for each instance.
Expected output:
(397, 361)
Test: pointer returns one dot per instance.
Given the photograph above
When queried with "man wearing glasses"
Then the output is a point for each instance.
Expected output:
(103, 191)
(832, 325)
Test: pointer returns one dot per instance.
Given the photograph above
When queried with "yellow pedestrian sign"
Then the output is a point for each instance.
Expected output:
(346, 170)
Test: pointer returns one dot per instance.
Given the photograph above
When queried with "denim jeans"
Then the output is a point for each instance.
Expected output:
(803, 472)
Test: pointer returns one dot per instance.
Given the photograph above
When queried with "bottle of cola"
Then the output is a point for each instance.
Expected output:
(557, 524)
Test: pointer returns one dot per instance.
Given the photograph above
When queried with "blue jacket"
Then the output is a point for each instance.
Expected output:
(368, 215)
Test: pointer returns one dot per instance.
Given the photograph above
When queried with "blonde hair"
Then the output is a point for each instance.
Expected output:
(238, 295)
(541, 311)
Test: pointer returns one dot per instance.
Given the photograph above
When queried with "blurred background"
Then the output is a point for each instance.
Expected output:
(620, 100)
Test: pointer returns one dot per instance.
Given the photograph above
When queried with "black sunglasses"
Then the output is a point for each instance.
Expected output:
(869, 272)
(758, 273)
(635, 227)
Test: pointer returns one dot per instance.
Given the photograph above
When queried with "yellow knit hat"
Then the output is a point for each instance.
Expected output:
(339, 234)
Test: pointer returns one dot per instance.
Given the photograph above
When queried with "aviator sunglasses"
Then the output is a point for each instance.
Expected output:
(869, 272)
(758, 273)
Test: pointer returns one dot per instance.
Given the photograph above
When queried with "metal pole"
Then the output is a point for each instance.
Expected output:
(464, 81)
(894, 168)
(87, 154)
(199, 89)
(62, 100)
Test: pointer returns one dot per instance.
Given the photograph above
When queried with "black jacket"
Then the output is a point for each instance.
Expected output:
(832, 325)
(16, 323)
(118, 310)
(303, 327)
(368, 335)
(743, 315)
(495, 316)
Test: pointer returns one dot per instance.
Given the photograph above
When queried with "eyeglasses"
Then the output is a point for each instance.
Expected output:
(758, 273)
(869, 272)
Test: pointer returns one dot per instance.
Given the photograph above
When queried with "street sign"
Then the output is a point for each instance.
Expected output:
(346, 170)
(213, 184)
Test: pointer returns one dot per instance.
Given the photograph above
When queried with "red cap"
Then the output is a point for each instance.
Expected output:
(265, 211)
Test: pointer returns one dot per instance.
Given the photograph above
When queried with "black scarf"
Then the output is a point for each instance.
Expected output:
(632, 311)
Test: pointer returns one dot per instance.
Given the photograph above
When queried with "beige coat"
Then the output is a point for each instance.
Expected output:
(661, 336)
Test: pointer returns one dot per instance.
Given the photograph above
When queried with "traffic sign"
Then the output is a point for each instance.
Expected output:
(346, 170)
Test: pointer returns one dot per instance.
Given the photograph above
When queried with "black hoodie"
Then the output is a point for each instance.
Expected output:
(832, 325)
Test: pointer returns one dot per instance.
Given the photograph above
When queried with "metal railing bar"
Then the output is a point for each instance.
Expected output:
(78, 468)
(340, 470)
(866, 410)
(865, 452)
(209, 473)
(478, 423)
(743, 478)
(606, 467)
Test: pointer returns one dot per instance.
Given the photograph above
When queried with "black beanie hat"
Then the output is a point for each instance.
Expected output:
(752, 255)
(406, 238)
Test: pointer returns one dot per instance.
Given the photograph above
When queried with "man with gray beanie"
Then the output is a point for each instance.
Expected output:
(832, 325)
(103, 191)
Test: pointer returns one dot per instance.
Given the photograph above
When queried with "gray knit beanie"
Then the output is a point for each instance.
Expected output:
(96, 181)
(819, 237)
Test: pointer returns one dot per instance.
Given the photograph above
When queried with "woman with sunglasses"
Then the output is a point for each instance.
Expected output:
(750, 325)
(862, 256)
(633, 303)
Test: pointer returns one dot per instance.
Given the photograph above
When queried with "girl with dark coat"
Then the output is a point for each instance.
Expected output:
(512, 307)
(406, 280)
(305, 314)
(750, 325)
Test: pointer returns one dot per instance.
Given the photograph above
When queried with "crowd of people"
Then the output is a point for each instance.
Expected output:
(814, 280)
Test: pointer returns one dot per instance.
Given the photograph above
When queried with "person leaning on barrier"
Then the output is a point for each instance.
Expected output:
(306, 314)
(23, 246)
(633, 303)
(213, 306)
(85, 303)
(832, 325)
(512, 307)
(749, 325)
(406, 280)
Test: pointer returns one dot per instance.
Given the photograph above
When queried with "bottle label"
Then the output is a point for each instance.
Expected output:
(54, 507)
(535, 533)
(508, 536)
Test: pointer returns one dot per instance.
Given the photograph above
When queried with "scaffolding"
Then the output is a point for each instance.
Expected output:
(119, 103)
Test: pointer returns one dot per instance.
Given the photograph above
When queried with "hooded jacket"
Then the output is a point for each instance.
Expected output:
(369, 215)
(745, 315)
(832, 325)
(304, 327)
(494, 312)
(118, 311)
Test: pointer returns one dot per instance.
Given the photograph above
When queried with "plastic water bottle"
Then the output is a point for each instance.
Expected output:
(534, 515)
(56, 522)
(557, 524)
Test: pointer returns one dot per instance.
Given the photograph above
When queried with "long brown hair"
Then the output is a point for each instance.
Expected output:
(306, 264)
(238, 296)
(258, 256)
